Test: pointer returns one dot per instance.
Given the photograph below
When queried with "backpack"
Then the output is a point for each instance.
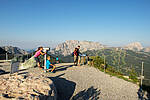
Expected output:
(72, 53)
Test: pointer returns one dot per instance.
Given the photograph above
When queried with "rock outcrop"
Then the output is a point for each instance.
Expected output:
(136, 46)
(67, 47)
(26, 87)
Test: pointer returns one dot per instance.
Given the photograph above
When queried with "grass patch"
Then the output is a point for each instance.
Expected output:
(98, 63)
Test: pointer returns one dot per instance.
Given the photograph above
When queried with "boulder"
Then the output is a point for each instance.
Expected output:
(26, 87)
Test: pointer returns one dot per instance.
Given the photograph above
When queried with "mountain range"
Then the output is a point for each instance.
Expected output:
(67, 47)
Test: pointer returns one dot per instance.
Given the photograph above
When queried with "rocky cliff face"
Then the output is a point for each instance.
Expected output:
(67, 47)
(136, 46)
(14, 50)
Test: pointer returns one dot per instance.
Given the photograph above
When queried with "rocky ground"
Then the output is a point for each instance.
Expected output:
(87, 83)
(26, 85)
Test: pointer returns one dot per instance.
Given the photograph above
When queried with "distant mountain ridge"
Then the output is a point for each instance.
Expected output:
(67, 47)
(135, 46)
(147, 49)
(14, 50)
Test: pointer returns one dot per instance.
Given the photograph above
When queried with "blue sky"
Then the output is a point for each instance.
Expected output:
(29, 23)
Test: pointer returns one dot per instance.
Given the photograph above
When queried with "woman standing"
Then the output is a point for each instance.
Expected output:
(37, 54)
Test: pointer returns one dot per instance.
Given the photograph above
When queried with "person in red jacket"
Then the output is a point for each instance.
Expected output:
(75, 57)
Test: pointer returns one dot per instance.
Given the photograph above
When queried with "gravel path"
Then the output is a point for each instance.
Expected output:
(84, 83)
(88, 83)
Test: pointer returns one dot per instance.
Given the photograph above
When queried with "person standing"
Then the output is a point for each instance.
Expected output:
(75, 57)
(78, 55)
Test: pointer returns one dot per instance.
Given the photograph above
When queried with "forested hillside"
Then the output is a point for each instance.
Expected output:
(125, 60)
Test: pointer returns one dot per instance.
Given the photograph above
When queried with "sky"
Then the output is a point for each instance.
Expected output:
(31, 23)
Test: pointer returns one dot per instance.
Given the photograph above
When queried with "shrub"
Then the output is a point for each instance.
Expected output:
(98, 62)
(133, 75)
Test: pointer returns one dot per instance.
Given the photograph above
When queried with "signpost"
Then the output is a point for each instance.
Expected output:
(6, 54)
(14, 67)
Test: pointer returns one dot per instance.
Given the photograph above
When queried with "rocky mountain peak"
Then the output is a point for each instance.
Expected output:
(135, 46)
(68, 46)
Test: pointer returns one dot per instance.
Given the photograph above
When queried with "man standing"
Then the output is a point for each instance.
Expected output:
(76, 56)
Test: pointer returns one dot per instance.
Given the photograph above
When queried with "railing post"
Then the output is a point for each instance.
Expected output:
(142, 73)
(104, 63)
(6, 56)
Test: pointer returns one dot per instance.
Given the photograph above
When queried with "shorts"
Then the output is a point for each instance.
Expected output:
(48, 67)
(37, 59)
(75, 58)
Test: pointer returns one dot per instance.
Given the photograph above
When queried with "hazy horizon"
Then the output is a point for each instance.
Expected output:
(32, 23)
(34, 44)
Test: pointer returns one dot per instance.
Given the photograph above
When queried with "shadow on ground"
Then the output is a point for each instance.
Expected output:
(89, 94)
(65, 88)
(62, 68)
(3, 72)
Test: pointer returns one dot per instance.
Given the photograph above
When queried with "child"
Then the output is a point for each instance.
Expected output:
(37, 54)
(49, 65)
